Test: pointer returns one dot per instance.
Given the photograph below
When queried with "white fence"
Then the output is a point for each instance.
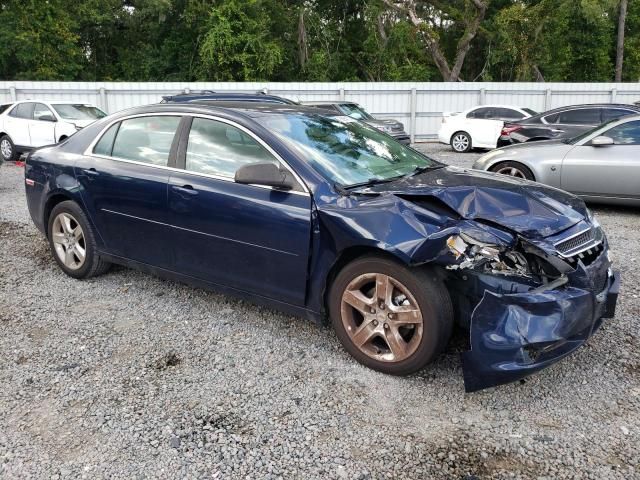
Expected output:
(419, 105)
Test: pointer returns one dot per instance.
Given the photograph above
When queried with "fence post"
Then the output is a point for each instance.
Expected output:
(547, 99)
(614, 94)
(414, 106)
(483, 96)
(103, 100)
(342, 97)
(12, 93)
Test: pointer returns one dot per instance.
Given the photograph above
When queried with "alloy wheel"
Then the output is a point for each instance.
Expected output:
(381, 317)
(460, 142)
(69, 241)
(511, 171)
(6, 149)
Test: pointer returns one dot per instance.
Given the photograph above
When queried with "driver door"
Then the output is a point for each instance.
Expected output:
(248, 237)
(607, 171)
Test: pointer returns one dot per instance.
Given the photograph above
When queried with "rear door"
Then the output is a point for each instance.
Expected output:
(248, 237)
(17, 123)
(124, 186)
(42, 129)
(609, 171)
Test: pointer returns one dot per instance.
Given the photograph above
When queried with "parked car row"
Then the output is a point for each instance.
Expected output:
(491, 126)
(25, 125)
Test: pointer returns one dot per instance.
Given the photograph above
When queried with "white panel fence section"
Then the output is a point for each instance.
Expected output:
(419, 105)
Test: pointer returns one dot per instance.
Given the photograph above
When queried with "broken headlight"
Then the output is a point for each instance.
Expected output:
(471, 253)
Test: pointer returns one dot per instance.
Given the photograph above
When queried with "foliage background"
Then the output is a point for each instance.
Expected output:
(309, 40)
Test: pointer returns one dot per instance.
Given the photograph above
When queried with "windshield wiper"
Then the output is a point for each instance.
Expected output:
(371, 182)
(419, 170)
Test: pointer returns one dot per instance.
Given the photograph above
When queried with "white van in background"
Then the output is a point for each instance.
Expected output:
(29, 124)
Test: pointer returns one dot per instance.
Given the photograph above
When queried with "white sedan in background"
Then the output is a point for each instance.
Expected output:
(30, 124)
(478, 127)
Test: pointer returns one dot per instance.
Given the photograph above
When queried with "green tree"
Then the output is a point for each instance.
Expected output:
(238, 44)
(39, 41)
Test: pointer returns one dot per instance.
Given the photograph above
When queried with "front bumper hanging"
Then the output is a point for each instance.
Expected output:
(515, 335)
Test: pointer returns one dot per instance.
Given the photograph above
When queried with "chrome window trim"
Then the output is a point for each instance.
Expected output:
(89, 150)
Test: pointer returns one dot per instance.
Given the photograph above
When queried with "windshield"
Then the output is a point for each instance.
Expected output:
(78, 111)
(355, 111)
(345, 151)
(530, 112)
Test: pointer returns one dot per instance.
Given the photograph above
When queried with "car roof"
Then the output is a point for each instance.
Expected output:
(590, 105)
(497, 105)
(55, 102)
(243, 109)
(227, 96)
(329, 102)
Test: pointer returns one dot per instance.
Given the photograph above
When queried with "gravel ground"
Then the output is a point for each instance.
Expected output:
(130, 376)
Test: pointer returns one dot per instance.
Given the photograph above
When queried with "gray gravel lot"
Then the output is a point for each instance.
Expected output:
(131, 376)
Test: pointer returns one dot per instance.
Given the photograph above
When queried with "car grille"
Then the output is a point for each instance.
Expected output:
(566, 247)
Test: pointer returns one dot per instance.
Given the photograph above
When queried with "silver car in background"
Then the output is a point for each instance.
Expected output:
(601, 165)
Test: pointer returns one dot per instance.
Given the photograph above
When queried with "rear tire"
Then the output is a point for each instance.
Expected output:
(7, 149)
(513, 169)
(399, 335)
(72, 242)
(461, 142)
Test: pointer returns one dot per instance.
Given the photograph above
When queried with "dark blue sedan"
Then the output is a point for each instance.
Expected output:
(323, 216)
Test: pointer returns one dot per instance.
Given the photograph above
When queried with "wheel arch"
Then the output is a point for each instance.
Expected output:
(524, 164)
(53, 200)
(347, 256)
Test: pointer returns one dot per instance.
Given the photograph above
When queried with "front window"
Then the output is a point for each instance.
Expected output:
(355, 111)
(78, 111)
(345, 151)
(220, 149)
(625, 134)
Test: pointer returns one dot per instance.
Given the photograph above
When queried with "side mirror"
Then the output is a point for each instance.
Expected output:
(47, 118)
(265, 173)
(602, 141)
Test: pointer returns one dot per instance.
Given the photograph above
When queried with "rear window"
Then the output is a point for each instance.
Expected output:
(4, 107)
(530, 112)
(141, 139)
(23, 110)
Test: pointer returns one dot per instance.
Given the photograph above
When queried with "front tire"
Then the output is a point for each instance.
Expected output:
(72, 242)
(513, 169)
(7, 148)
(388, 317)
(461, 142)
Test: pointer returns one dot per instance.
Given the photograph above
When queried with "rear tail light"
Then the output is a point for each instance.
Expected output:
(508, 129)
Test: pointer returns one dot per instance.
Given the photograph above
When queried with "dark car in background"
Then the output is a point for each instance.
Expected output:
(355, 111)
(211, 96)
(563, 122)
(325, 216)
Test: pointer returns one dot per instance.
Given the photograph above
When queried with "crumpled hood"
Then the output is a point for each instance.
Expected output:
(528, 208)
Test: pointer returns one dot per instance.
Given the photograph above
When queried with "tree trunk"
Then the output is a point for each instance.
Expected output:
(449, 73)
(622, 17)
(303, 49)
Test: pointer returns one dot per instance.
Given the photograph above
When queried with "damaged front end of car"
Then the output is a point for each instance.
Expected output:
(529, 303)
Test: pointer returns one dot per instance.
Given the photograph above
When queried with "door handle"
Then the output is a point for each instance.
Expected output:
(90, 172)
(185, 189)
(554, 130)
